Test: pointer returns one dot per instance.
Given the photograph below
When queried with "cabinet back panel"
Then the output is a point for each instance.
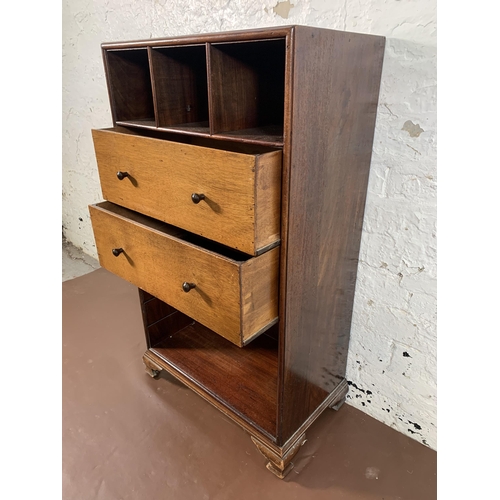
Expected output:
(129, 83)
(247, 82)
(180, 84)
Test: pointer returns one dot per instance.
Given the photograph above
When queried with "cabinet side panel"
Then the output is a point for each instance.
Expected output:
(335, 95)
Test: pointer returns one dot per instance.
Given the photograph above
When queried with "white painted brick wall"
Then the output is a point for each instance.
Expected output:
(392, 360)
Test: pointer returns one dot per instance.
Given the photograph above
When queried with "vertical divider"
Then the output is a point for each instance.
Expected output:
(209, 87)
(153, 86)
(109, 86)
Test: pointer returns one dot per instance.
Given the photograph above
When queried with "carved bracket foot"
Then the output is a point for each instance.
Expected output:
(338, 404)
(152, 369)
(280, 463)
(339, 397)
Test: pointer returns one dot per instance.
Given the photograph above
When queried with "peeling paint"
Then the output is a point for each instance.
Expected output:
(283, 9)
(413, 129)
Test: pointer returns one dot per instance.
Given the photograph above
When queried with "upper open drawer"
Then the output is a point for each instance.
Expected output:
(227, 196)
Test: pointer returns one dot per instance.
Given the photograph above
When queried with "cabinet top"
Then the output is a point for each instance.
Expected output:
(221, 37)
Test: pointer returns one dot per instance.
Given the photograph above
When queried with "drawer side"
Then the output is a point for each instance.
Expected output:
(259, 294)
(268, 199)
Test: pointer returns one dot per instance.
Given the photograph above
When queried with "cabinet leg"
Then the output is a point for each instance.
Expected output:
(280, 464)
(337, 404)
(340, 396)
(152, 369)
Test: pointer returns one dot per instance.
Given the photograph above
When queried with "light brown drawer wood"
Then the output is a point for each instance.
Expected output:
(235, 295)
(242, 192)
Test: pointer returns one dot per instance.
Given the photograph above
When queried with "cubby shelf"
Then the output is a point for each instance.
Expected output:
(233, 91)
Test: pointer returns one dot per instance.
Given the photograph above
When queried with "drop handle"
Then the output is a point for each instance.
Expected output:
(117, 251)
(188, 286)
(196, 198)
(121, 175)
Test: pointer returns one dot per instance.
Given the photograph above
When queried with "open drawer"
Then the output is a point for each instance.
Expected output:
(227, 291)
(227, 196)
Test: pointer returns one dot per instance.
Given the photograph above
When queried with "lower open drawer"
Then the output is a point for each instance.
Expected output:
(229, 292)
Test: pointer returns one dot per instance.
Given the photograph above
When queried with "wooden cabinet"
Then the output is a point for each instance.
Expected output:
(235, 177)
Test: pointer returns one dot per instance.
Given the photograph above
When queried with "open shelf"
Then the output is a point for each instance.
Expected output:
(245, 379)
(130, 88)
(270, 134)
(213, 142)
(232, 91)
(180, 87)
(247, 89)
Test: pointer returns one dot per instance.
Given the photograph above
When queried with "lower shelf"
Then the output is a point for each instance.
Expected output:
(243, 379)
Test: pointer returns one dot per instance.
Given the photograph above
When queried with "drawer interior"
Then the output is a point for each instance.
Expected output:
(195, 140)
(174, 232)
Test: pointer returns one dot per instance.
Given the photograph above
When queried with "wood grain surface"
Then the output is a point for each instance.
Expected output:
(159, 261)
(179, 75)
(245, 380)
(164, 174)
(314, 93)
(267, 199)
(129, 83)
(259, 293)
(229, 36)
(330, 153)
(246, 85)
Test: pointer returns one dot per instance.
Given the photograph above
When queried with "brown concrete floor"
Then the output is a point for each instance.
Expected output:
(127, 436)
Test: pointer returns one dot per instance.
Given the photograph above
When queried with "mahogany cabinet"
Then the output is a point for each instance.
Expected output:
(235, 178)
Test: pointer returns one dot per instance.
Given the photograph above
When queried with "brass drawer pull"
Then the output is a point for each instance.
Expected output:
(196, 198)
(117, 251)
(188, 286)
(121, 175)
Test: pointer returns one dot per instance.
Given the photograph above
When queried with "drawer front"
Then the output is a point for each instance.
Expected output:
(241, 208)
(236, 299)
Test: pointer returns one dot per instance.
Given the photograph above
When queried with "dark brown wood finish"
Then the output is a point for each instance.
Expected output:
(245, 380)
(230, 36)
(330, 155)
(271, 135)
(285, 200)
(130, 85)
(145, 296)
(154, 310)
(180, 82)
(247, 86)
(160, 319)
(312, 93)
